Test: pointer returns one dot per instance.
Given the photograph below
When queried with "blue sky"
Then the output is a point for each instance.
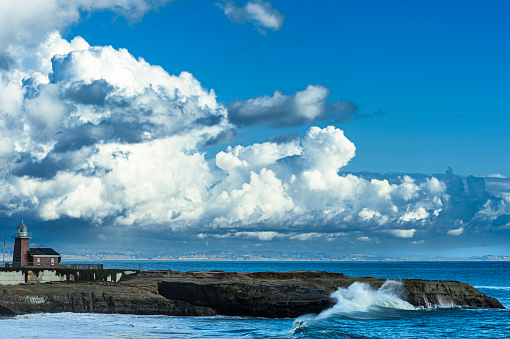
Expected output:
(438, 71)
(325, 126)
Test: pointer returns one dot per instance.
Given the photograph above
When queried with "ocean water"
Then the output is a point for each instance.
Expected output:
(360, 312)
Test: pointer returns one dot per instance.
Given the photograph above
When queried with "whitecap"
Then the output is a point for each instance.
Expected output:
(494, 287)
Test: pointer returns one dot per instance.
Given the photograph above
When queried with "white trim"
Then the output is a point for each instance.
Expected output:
(45, 255)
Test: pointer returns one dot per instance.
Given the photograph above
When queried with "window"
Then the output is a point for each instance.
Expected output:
(52, 261)
(38, 261)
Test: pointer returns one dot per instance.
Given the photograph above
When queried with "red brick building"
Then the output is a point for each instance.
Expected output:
(24, 256)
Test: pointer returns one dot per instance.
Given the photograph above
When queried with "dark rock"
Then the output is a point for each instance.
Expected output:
(237, 299)
(429, 293)
(92, 298)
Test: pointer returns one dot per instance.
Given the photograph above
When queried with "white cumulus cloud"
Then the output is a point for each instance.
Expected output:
(301, 107)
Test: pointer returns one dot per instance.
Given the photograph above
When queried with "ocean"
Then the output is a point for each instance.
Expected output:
(360, 312)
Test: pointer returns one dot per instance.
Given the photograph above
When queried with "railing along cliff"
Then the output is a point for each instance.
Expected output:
(83, 266)
(60, 265)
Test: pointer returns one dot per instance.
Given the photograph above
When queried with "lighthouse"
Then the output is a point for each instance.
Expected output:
(24, 256)
(20, 257)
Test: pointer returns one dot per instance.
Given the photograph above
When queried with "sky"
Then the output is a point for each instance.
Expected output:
(338, 126)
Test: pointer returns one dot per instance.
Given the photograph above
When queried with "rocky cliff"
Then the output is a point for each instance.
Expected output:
(266, 294)
(291, 294)
(92, 298)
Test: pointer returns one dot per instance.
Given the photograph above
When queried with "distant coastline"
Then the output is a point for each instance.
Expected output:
(67, 258)
(262, 256)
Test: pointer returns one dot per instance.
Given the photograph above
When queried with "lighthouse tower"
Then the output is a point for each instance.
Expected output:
(20, 256)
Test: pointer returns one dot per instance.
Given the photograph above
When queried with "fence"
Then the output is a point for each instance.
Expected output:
(56, 265)
(83, 266)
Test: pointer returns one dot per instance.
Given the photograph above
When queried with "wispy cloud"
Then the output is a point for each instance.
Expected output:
(260, 13)
(402, 233)
(456, 232)
(26, 21)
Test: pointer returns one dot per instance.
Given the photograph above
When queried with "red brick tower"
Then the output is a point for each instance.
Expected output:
(20, 256)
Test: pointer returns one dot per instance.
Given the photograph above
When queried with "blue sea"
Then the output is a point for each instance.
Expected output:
(360, 312)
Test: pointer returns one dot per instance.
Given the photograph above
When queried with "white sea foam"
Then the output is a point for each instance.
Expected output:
(494, 287)
(443, 303)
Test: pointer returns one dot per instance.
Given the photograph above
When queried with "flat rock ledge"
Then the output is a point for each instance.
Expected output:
(261, 294)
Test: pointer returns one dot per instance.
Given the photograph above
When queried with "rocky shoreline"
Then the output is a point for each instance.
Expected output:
(264, 294)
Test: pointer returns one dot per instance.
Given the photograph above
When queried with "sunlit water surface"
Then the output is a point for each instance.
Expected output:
(360, 312)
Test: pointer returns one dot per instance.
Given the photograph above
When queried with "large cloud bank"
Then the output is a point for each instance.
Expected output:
(91, 133)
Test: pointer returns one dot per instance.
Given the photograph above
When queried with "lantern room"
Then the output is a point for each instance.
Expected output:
(22, 231)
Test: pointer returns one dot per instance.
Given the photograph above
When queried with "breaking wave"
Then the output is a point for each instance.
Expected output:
(361, 302)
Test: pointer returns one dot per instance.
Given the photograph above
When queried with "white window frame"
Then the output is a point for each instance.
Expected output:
(52, 261)
(38, 261)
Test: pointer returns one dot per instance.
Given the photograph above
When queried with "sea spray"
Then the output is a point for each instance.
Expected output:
(361, 297)
(362, 302)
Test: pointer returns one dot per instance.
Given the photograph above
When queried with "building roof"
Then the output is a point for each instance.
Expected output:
(22, 225)
(43, 251)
